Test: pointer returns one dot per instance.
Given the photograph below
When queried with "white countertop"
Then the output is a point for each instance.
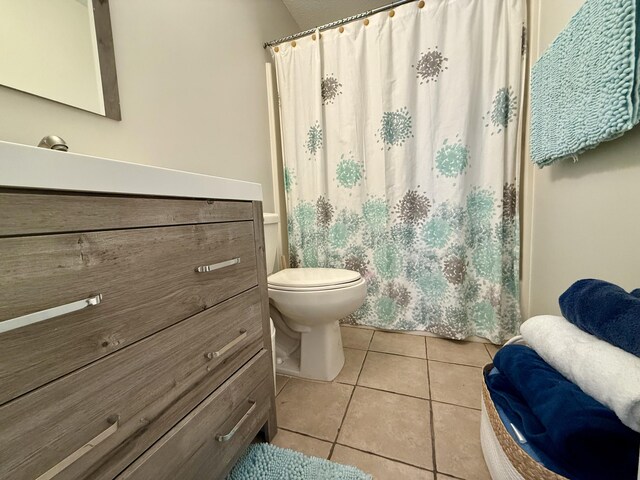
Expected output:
(23, 166)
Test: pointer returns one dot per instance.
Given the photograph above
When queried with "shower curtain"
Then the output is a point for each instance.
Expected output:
(400, 145)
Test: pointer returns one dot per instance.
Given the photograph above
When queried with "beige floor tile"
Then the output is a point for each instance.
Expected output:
(300, 443)
(281, 381)
(454, 351)
(395, 373)
(457, 441)
(313, 408)
(398, 343)
(441, 476)
(380, 468)
(458, 384)
(353, 337)
(352, 364)
(492, 349)
(388, 424)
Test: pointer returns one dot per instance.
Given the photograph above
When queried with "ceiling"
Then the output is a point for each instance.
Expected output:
(313, 13)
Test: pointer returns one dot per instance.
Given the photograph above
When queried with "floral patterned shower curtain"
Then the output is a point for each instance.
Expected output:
(400, 141)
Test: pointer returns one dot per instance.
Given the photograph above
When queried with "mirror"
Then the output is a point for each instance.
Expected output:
(61, 50)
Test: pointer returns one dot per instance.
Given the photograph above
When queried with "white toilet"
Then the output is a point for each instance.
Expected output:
(306, 306)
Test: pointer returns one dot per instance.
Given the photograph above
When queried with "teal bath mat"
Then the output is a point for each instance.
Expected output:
(263, 461)
(585, 89)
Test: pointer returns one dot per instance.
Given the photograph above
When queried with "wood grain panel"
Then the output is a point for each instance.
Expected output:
(26, 213)
(147, 279)
(148, 387)
(190, 450)
(107, 59)
(270, 429)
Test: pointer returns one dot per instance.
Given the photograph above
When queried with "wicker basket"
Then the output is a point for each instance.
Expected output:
(508, 460)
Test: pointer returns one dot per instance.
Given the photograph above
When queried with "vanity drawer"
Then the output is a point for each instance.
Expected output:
(122, 286)
(208, 441)
(35, 212)
(97, 420)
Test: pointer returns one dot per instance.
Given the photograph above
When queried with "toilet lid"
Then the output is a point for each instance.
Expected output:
(312, 277)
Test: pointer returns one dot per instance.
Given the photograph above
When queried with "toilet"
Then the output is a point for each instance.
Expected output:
(306, 305)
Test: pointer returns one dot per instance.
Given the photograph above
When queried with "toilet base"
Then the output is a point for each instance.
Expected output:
(289, 365)
(319, 357)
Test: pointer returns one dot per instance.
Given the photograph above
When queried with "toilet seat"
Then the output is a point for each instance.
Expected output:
(313, 279)
(315, 289)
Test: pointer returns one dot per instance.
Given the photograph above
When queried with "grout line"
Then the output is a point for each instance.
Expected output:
(491, 354)
(419, 358)
(431, 422)
(459, 364)
(333, 444)
(285, 383)
(426, 352)
(304, 434)
(448, 475)
(456, 405)
(348, 403)
(370, 340)
(359, 372)
(413, 396)
(386, 458)
(393, 393)
(398, 354)
(429, 359)
(345, 383)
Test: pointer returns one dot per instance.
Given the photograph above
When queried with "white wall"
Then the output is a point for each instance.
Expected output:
(192, 90)
(580, 219)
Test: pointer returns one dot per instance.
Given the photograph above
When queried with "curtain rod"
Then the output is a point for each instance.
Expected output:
(337, 22)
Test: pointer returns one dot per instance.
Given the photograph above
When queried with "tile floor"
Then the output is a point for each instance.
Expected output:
(403, 407)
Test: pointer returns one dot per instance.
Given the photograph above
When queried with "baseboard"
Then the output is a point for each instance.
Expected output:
(472, 338)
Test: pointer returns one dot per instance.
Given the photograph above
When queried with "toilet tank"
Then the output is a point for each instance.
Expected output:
(272, 241)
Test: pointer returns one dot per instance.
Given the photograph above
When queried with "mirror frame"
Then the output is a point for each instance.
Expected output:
(107, 59)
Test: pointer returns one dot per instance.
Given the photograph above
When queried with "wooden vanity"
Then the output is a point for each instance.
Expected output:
(134, 333)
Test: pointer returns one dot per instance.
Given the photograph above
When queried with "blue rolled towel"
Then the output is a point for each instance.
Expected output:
(516, 409)
(605, 311)
(582, 438)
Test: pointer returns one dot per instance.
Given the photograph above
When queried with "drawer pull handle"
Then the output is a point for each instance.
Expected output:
(217, 266)
(94, 442)
(49, 313)
(228, 436)
(228, 346)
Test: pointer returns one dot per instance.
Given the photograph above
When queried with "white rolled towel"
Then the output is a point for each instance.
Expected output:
(606, 373)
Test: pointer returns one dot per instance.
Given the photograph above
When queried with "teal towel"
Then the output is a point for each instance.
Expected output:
(263, 461)
(584, 88)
